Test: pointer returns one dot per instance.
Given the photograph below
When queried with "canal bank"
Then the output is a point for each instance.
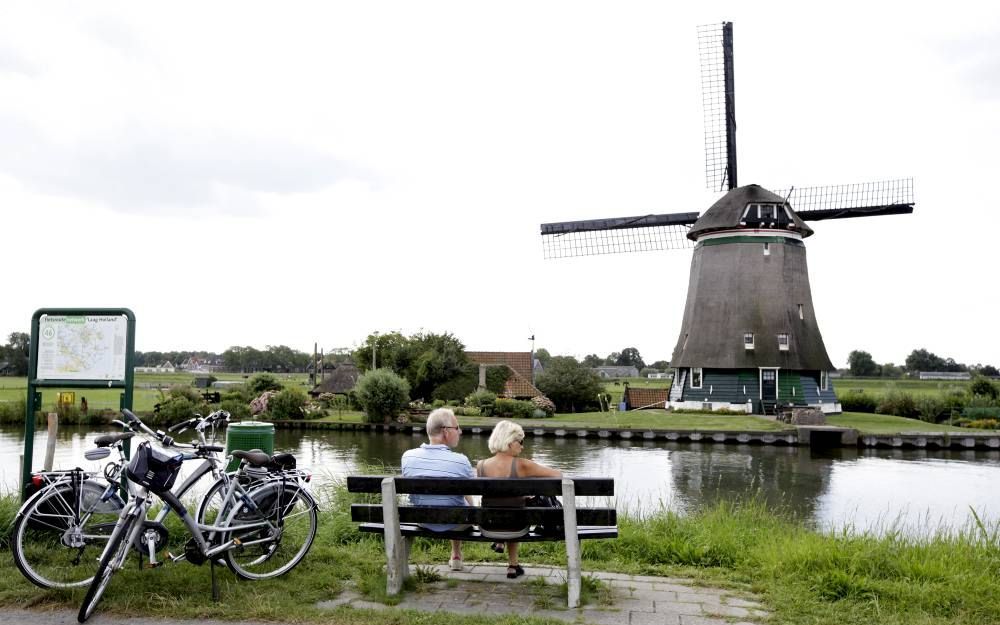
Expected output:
(809, 436)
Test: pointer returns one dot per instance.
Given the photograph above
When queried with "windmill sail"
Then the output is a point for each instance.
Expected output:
(718, 94)
(867, 199)
(592, 237)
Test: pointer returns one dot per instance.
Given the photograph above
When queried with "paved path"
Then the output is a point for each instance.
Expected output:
(485, 589)
(628, 599)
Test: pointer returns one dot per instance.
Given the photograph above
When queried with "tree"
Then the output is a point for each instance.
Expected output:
(923, 360)
(570, 385)
(392, 351)
(983, 387)
(889, 370)
(593, 360)
(543, 356)
(862, 364)
(612, 359)
(987, 370)
(660, 365)
(15, 352)
(629, 357)
(382, 394)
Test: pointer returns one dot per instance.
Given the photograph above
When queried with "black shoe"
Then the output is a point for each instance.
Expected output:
(515, 571)
(497, 547)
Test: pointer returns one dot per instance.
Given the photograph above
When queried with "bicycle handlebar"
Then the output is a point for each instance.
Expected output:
(134, 423)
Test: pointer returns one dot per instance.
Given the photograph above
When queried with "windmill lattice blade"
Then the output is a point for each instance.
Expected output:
(716, 54)
(616, 241)
(885, 197)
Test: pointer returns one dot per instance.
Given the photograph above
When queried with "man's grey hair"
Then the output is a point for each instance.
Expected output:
(503, 436)
(438, 420)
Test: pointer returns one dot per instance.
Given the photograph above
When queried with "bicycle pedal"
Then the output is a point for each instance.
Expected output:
(236, 542)
(153, 565)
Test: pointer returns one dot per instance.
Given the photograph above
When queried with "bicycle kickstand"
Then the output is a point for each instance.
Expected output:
(215, 584)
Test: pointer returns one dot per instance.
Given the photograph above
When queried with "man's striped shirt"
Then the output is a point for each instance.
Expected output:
(436, 461)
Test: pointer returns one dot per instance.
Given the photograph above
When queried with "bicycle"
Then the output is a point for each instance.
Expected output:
(60, 531)
(268, 518)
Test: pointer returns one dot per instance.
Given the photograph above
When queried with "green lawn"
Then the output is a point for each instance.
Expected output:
(881, 386)
(887, 424)
(146, 390)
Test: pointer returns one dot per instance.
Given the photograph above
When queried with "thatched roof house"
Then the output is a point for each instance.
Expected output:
(339, 381)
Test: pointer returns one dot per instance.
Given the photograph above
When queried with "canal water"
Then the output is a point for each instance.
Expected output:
(912, 491)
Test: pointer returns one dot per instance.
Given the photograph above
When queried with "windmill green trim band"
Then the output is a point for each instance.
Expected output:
(739, 239)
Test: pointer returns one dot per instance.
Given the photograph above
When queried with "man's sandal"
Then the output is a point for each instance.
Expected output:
(515, 571)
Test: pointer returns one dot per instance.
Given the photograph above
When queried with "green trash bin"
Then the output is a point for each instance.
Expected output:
(249, 435)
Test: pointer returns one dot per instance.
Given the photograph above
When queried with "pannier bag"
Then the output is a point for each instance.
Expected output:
(154, 469)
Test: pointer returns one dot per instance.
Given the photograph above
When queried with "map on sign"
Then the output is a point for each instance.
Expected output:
(88, 347)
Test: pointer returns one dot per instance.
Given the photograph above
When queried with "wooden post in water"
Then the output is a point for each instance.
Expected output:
(50, 444)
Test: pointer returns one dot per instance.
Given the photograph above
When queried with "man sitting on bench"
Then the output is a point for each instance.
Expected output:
(436, 459)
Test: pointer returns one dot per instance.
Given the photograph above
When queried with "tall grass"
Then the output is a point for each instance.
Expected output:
(803, 576)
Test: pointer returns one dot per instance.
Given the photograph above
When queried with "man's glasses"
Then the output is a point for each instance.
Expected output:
(451, 427)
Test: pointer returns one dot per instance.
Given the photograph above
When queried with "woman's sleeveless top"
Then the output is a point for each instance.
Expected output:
(502, 502)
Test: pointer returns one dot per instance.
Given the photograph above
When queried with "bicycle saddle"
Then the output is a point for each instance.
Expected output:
(254, 457)
(107, 440)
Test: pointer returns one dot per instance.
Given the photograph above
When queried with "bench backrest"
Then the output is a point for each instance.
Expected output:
(490, 487)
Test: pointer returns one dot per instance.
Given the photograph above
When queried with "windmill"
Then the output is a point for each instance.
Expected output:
(749, 338)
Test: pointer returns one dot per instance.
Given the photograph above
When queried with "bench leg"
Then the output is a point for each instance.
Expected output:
(396, 549)
(572, 544)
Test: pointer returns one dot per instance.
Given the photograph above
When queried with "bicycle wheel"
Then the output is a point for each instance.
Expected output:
(112, 559)
(265, 552)
(59, 533)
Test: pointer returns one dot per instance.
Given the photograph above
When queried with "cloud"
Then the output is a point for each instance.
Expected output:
(14, 63)
(152, 169)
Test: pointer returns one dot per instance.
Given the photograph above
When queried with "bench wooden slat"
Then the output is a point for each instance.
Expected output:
(411, 530)
(491, 487)
(499, 517)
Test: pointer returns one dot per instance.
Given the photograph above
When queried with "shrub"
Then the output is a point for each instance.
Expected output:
(983, 424)
(382, 395)
(288, 404)
(12, 411)
(177, 408)
(261, 382)
(459, 386)
(931, 408)
(858, 401)
(513, 409)
(483, 401)
(466, 411)
(983, 387)
(438, 403)
(238, 409)
(570, 385)
(544, 404)
(496, 378)
(187, 392)
(899, 404)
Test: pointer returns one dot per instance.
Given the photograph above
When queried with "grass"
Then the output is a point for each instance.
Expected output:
(146, 391)
(887, 424)
(801, 575)
(881, 386)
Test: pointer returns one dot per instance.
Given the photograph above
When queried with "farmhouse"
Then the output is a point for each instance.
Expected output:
(519, 383)
(608, 373)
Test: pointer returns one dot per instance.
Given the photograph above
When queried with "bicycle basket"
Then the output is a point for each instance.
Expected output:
(154, 469)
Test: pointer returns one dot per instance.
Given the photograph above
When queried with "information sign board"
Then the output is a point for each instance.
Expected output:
(82, 347)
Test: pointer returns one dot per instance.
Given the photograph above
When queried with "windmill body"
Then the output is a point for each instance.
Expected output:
(749, 338)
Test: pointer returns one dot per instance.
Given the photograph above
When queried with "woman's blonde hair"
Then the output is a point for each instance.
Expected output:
(504, 434)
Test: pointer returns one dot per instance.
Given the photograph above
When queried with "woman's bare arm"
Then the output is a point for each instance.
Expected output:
(530, 468)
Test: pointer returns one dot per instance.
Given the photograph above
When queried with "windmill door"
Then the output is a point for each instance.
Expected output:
(769, 384)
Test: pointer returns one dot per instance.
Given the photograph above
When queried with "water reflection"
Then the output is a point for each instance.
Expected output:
(913, 490)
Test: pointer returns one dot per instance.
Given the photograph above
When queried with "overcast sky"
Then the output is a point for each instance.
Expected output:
(244, 174)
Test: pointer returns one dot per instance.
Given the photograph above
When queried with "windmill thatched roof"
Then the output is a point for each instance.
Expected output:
(727, 213)
(339, 381)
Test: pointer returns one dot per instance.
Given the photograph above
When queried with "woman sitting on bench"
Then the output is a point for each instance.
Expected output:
(507, 443)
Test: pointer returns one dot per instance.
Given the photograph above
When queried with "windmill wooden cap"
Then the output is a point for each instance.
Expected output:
(728, 214)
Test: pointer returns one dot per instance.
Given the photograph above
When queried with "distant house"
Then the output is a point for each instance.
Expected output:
(609, 373)
(6, 368)
(166, 367)
(339, 381)
(660, 376)
(945, 375)
(635, 398)
(518, 385)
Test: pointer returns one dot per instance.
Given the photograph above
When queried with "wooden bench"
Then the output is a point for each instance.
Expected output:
(400, 523)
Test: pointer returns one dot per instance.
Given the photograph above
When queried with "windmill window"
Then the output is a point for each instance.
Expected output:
(685, 342)
(767, 249)
(748, 340)
(801, 316)
(696, 377)
(824, 380)
(766, 212)
(783, 342)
